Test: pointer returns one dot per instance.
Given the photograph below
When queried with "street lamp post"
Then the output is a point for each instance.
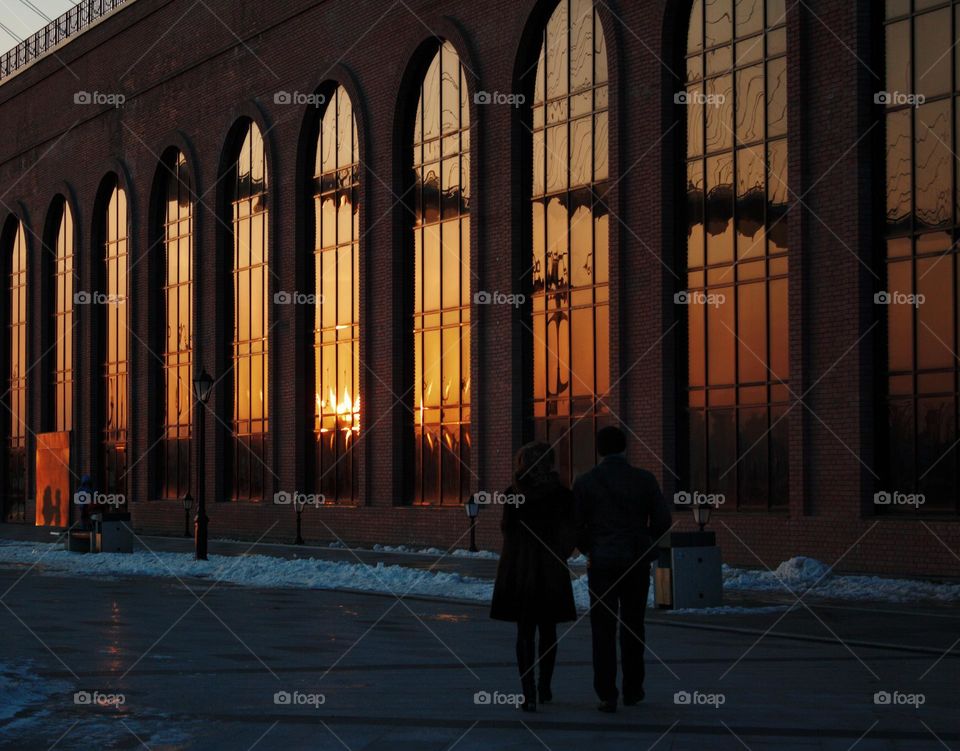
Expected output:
(187, 505)
(472, 508)
(202, 385)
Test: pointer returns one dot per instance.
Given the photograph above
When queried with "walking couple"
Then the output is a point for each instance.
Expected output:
(615, 515)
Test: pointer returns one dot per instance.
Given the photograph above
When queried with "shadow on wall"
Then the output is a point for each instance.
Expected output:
(53, 479)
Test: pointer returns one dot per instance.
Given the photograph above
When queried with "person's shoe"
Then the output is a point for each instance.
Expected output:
(529, 706)
(608, 706)
(546, 695)
(632, 701)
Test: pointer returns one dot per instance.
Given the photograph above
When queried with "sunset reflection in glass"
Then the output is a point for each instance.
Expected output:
(250, 318)
(16, 401)
(336, 327)
(571, 228)
(441, 324)
(178, 340)
(737, 267)
(116, 229)
(61, 332)
(920, 255)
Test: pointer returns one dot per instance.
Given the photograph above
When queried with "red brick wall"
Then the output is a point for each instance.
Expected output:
(188, 77)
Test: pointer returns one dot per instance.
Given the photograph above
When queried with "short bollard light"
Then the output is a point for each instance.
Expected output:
(701, 514)
(299, 503)
(472, 507)
(187, 505)
(202, 386)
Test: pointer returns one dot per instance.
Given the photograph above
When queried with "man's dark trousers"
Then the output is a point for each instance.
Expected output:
(618, 591)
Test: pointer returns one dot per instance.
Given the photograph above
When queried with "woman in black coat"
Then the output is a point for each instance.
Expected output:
(533, 587)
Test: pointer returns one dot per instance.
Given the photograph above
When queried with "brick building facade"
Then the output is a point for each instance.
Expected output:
(188, 74)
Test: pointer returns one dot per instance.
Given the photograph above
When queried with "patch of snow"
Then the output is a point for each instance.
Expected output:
(728, 610)
(438, 552)
(802, 574)
(21, 688)
(802, 570)
(796, 575)
(253, 570)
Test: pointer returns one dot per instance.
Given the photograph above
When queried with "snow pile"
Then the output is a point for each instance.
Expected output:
(796, 575)
(255, 571)
(456, 553)
(800, 574)
(802, 571)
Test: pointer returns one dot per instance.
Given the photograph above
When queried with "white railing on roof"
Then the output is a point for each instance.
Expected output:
(54, 33)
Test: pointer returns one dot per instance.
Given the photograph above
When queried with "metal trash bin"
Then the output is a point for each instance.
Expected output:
(112, 533)
(688, 573)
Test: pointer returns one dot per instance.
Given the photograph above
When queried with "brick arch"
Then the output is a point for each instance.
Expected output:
(116, 174)
(238, 119)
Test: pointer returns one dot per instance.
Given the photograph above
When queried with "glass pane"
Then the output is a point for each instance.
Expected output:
(899, 185)
(932, 45)
(935, 162)
(719, 21)
(442, 281)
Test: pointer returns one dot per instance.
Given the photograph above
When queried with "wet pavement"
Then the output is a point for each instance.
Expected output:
(171, 664)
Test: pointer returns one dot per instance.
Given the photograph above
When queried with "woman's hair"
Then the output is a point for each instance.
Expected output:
(533, 464)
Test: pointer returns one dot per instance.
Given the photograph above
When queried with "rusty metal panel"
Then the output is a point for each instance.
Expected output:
(53, 479)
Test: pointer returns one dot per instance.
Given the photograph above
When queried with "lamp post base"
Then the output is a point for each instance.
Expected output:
(473, 536)
(200, 536)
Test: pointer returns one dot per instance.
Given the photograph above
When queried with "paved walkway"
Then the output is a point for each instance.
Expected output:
(200, 667)
(925, 628)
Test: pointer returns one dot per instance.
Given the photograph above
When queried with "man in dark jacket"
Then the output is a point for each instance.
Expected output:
(621, 515)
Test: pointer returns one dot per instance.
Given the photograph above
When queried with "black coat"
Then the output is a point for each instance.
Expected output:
(621, 514)
(533, 581)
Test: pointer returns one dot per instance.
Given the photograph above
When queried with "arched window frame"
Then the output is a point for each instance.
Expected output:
(335, 202)
(249, 246)
(570, 253)
(176, 222)
(14, 253)
(60, 244)
(441, 437)
(112, 315)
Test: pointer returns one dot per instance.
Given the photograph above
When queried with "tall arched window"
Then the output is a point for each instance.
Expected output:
(441, 324)
(337, 312)
(251, 314)
(178, 340)
(571, 228)
(15, 464)
(922, 269)
(115, 234)
(737, 276)
(59, 347)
